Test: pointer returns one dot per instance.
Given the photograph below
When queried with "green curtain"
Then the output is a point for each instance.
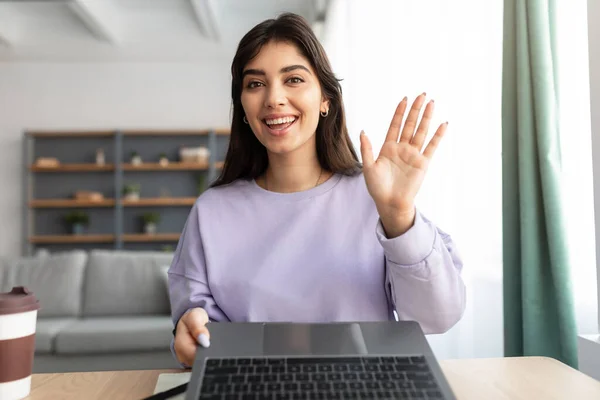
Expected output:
(538, 304)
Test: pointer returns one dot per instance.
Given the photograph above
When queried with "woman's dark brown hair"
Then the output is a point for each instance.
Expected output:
(246, 157)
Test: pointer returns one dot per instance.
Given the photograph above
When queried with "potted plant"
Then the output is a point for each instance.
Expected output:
(200, 184)
(136, 159)
(163, 160)
(131, 191)
(150, 220)
(168, 248)
(77, 221)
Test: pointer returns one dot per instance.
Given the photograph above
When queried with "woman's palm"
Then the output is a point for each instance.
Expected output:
(395, 177)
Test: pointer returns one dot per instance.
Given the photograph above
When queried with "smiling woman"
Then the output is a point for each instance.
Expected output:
(281, 71)
(295, 228)
(282, 102)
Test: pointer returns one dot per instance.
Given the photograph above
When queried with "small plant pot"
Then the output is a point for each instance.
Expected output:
(132, 196)
(150, 228)
(77, 229)
(136, 160)
(163, 162)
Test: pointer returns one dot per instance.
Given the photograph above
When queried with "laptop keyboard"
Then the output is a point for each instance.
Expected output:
(319, 378)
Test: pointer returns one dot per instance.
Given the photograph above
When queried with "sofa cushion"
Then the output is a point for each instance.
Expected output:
(164, 270)
(126, 283)
(46, 331)
(118, 334)
(56, 279)
(10, 266)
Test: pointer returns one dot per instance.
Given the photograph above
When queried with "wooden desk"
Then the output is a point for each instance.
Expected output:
(499, 378)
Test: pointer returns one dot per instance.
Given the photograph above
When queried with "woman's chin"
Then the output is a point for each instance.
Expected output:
(280, 149)
(285, 145)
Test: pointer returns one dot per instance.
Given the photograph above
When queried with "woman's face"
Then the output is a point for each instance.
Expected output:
(282, 98)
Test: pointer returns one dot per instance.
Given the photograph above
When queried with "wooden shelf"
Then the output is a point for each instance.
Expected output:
(128, 132)
(56, 239)
(161, 201)
(70, 203)
(67, 134)
(143, 202)
(171, 189)
(158, 237)
(172, 166)
(132, 237)
(73, 168)
(181, 132)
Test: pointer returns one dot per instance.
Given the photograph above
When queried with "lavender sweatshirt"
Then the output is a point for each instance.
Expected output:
(320, 255)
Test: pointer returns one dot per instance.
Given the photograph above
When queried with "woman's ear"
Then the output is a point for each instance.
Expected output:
(324, 105)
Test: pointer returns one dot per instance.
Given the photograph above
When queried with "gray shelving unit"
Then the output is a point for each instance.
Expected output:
(114, 223)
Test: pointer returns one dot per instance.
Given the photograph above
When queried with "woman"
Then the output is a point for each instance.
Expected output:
(295, 229)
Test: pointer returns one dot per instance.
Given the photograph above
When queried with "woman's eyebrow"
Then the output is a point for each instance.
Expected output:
(253, 72)
(283, 70)
(292, 68)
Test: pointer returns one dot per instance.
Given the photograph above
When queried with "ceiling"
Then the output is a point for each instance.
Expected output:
(135, 30)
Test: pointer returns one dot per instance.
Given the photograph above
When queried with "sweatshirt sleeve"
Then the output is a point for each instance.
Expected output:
(188, 281)
(423, 279)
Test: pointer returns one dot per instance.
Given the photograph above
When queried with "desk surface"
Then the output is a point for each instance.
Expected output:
(497, 378)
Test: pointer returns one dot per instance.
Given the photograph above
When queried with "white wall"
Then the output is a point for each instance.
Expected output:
(589, 346)
(98, 96)
(594, 60)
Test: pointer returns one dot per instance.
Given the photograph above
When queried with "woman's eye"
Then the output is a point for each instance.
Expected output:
(253, 85)
(295, 80)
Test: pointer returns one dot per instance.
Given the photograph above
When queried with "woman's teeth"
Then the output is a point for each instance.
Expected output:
(279, 124)
(280, 121)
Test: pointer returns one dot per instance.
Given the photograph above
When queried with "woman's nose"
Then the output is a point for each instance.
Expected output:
(275, 97)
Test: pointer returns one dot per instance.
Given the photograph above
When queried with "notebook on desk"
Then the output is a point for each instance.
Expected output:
(168, 382)
(317, 361)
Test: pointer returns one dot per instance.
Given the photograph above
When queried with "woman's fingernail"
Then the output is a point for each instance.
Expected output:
(424, 94)
(203, 340)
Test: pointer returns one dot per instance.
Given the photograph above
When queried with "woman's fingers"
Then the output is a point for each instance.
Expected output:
(191, 332)
(396, 124)
(435, 140)
(414, 132)
(196, 321)
(366, 150)
(419, 138)
(411, 121)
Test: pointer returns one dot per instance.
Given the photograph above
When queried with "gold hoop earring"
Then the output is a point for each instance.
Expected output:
(245, 119)
(324, 114)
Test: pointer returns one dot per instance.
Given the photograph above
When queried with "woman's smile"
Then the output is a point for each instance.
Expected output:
(279, 124)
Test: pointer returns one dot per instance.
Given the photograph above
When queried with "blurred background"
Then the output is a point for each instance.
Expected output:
(153, 76)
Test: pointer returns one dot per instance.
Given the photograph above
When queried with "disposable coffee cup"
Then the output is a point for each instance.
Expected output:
(18, 315)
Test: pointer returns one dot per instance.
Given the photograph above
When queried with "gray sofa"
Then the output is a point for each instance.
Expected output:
(100, 310)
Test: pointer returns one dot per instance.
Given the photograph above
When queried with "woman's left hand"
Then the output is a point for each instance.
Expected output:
(395, 177)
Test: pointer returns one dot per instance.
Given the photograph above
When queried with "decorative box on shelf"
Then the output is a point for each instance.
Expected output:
(198, 155)
(88, 196)
(47, 162)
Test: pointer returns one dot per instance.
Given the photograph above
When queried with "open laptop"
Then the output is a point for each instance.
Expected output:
(370, 360)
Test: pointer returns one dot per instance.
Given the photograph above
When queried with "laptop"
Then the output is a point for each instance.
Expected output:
(356, 360)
